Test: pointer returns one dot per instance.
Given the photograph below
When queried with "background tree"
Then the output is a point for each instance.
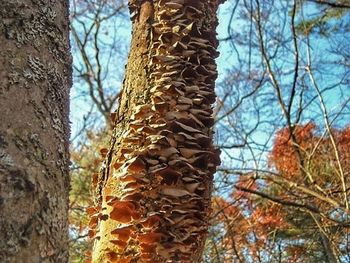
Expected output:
(283, 78)
(99, 49)
(100, 33)
(35, 70)
(282, 219)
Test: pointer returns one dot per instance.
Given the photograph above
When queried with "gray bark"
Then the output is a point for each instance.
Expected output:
(35, 78)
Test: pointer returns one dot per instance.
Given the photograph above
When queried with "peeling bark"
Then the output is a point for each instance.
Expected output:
(154, 189)
(35, 70)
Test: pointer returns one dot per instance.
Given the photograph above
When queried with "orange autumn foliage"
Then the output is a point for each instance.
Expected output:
(322, 156)
(255, 224)
(284, 152)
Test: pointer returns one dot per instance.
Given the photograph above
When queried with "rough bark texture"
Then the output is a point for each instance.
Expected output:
(153, 193)
(34, 130)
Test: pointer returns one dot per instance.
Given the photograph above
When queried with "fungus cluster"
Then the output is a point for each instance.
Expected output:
(164, 166)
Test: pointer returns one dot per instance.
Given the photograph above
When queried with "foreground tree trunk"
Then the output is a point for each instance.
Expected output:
(153, 193)
(34, 130)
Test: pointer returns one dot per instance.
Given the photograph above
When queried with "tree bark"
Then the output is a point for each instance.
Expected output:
(328, 249)
(154, 189)
(35, 78)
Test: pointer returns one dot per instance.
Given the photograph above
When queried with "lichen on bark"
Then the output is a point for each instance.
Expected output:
(154, 189)
(35, 78)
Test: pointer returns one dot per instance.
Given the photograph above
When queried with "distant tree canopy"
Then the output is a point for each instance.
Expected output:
(327, 17)
(280, 215)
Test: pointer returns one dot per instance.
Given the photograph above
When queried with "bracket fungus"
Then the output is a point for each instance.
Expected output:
(160, 171)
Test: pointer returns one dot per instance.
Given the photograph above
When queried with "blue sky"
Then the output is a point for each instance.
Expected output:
(226, 61)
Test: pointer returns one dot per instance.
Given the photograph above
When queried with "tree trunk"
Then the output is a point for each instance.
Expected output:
(154, 189)
(35, 78)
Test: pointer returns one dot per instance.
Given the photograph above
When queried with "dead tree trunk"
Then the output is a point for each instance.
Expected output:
(35, 78)
(153, 193)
